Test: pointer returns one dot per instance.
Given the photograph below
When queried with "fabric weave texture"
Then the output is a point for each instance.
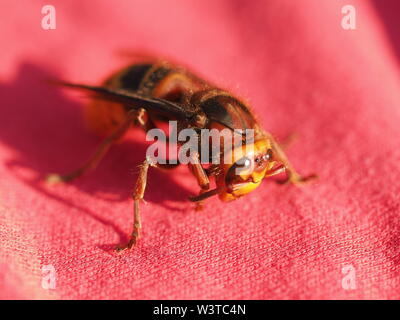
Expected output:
(336, 89)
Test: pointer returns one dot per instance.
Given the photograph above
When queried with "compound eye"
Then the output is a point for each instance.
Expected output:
(243, 164)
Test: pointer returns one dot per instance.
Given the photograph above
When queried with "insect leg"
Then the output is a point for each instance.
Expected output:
(293, 176)
(137, 195)
(201, 177)
(96, 157)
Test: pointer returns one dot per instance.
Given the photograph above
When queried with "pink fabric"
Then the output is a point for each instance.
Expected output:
(337, 90)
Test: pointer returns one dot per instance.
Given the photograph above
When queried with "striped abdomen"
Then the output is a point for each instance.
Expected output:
(160, 80)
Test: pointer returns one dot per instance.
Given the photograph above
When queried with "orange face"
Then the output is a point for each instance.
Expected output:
(249, 165)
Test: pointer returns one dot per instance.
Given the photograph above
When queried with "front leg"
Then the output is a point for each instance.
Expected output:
(293, 176)
(201, 176)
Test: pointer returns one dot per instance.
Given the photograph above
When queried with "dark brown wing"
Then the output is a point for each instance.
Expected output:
(134, 100)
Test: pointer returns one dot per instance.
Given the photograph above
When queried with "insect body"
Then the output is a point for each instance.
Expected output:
(148, 93)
